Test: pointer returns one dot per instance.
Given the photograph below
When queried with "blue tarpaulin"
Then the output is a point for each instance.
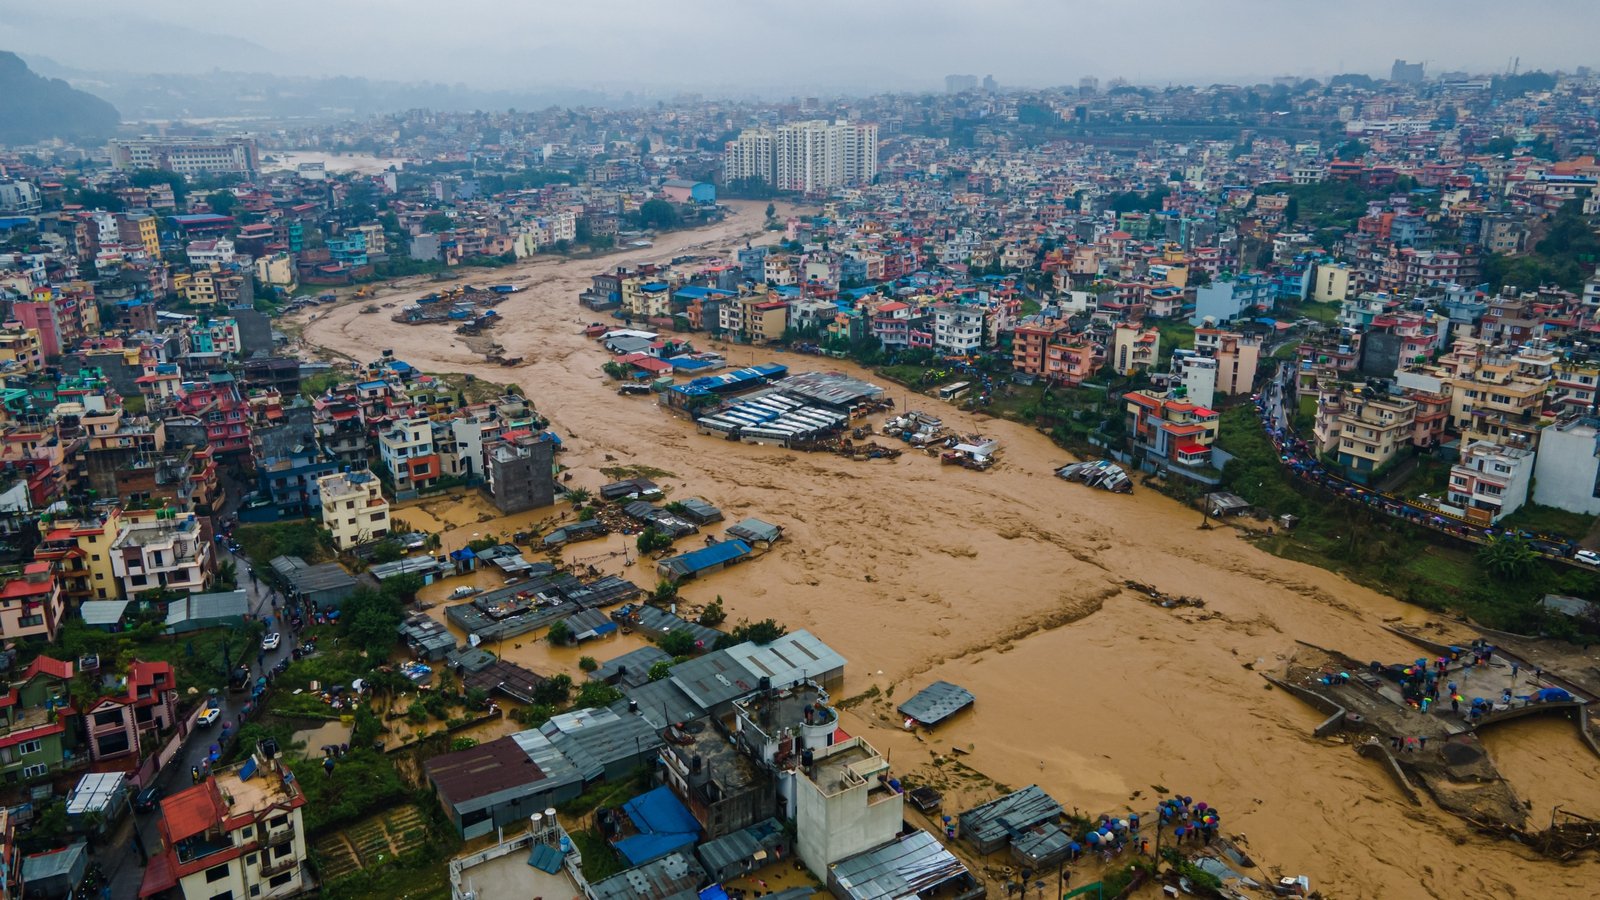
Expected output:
(663, 824)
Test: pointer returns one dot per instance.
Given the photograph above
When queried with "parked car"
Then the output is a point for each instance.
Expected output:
(209, 716)
(271, 641)
(147, 799)
(464, 591)
(1587, 556)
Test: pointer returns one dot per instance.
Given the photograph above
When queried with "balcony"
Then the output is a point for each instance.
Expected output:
(279, 836)
(271, 867)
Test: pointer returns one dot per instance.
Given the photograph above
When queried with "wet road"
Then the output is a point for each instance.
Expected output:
(120, 858)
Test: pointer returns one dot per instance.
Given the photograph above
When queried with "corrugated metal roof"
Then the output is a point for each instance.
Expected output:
(95, 791)
(102, 612)
(705, 558)
(739, 847)
(795, 656)
(715, 678)
(1017, 811)
(662, 703)
(637, 664)
(937, 702)
(756, 530)
(596, 738)
(907, 867)
(673, 877)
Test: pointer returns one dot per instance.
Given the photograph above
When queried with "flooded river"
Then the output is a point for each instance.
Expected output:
(1010, 582)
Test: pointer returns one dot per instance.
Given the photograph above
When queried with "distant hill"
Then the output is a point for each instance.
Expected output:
(34, 108)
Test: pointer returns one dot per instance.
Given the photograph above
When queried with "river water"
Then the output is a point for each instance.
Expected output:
(1010, 583)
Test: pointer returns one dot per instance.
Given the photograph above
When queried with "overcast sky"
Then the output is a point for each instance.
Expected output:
(731, 46)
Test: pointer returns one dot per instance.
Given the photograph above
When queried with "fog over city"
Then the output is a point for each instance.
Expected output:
(844, 45)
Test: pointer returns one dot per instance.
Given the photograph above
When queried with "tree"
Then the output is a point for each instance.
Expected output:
(437, 221)
(370, 619)
(666, 590)
(660, 670)
(772, 210)
(652, 539)
(222, 202)
(712, 615)
(228, 574)
(763, 632)
(677, 643)
(1508, 557)
(658, 214)
(560, 634)
(587, 663)
(578, 496)
(595, 694)
(387, 551)
(553, 691)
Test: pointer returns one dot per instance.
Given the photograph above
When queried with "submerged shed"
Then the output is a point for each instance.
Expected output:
(937, 702)
(756, 531)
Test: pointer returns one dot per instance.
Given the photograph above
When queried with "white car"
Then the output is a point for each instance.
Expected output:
(271, 641)
(1587, 556)
(460, 592)
(209, 716)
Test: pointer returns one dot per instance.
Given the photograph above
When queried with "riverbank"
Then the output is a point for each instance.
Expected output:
(1011, 583)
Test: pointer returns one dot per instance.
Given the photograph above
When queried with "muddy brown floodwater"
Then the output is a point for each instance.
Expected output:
(1009, 582)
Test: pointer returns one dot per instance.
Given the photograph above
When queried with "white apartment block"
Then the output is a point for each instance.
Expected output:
(186, 156)
(748, 156)
(1491, 478)
(812, 157)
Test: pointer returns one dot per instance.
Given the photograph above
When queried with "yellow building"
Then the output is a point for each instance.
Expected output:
(1133, 349)
(20, 346)
(1332, 284)
(353, 508)
(82, 549)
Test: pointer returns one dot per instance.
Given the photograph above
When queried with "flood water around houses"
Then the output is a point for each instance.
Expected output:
(1011, 583)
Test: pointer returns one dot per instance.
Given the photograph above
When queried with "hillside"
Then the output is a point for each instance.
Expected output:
(34, 108)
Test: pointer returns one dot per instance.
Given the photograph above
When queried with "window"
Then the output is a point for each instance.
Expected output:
(27, 747)
(282, 850)
(216, 873)
(281, 880)
(35, 771)
(225, 895)
(248, 832)
(255, 890)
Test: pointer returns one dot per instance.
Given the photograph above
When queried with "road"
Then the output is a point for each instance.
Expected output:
(120, 858)
(1273, 405)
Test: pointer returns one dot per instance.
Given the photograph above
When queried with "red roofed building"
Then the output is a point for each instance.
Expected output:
(120, 726)
(35, 716)
(1169, 429)
(31, 604)
(236, 835)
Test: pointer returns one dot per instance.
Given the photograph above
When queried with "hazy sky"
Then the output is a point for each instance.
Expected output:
(865, 45)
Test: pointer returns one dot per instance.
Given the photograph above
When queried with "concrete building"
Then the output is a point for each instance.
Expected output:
(187, 156)
(1491, 481)
(844, 804)
(1196, 375)
(1237, 357)
(20, 352)
(1228, 299)
(1364, 430)
(31, 604)
(407, 452)
(810, 157)
(957, 329)
(157, 552)
(353, 508)
(1332, 283)
(1134, 349)
(519, 471)
(748, 157)
(1566, 473)
(238, 834)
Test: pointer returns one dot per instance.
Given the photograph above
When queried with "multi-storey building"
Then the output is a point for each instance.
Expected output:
(238, 834)
(1134, 349)
(219, 407)
(406, 449)
(957, 329)
(30, 602)
(19, 349)
(80, 549)
(38, 722)
(187, 156)
(1363, 429)
(1491, 481)
(353, 508)
(162, 550)
(1170, 429)
(811, 157)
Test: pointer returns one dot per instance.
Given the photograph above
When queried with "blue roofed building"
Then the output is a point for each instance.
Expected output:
(657, 823)
(703, 561)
